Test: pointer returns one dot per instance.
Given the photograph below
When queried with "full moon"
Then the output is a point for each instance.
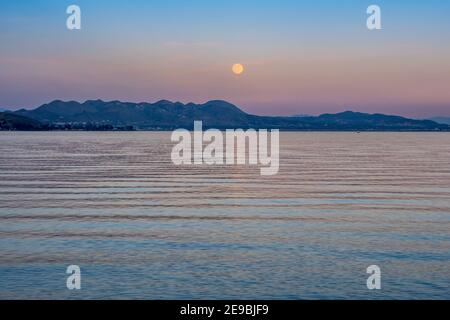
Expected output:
(237, 68)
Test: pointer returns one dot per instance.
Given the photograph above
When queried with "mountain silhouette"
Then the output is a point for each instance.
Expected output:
(167, 115)
(443, 120)
(10, 121)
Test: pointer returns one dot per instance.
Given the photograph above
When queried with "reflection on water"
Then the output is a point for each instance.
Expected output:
(140, 227)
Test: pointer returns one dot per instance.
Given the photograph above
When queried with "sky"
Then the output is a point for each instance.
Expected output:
(300, 57)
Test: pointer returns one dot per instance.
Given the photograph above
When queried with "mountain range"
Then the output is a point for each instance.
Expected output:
(167, 115)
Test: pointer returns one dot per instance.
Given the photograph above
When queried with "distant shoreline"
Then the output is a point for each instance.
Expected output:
(164, 115)
(281, 130)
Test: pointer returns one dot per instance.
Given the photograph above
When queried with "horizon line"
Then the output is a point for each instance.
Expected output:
(6, 109)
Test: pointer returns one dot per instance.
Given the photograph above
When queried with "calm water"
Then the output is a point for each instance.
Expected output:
(140, 227)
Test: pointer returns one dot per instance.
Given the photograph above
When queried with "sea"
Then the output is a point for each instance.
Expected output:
(140, 227)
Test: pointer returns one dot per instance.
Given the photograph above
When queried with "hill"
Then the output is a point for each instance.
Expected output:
(167, 115)
(443, 120)
(10, 121)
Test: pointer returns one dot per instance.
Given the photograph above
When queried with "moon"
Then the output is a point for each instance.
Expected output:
(237, 68)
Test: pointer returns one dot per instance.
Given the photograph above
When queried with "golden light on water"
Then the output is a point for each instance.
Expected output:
(238, 68)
